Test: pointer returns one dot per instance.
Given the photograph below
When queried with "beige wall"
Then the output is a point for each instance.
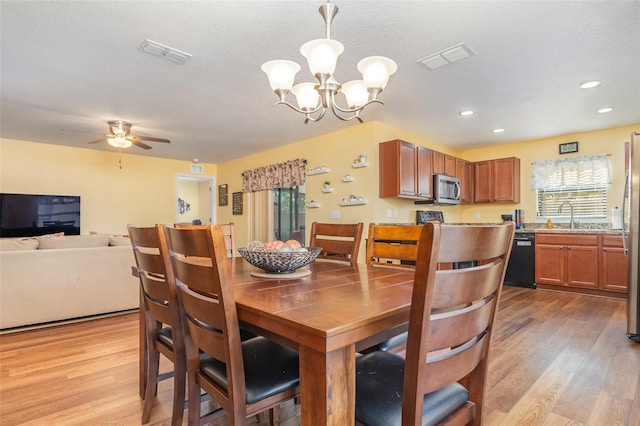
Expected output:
(142, 192)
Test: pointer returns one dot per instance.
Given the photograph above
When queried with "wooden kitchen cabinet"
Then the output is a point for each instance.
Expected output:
(614, 264)
(567, 260)
(464, 172)
(497, 181)
(405, 171)
(592, 263)
(444, 164)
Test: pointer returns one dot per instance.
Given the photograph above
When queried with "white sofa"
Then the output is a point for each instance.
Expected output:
(65, 277)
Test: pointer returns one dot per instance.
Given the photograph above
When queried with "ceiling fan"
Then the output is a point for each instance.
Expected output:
(120, 136)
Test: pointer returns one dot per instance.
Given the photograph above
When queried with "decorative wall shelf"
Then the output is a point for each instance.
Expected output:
(327, 189)
(348, 179)
(313, 205)
(317, 171)
(353, 203)
(359, 164)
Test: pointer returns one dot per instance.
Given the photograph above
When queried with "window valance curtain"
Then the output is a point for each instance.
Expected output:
(590, 170)
(282, 175)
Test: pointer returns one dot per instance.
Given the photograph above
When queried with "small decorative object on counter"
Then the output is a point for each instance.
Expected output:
(549, 223)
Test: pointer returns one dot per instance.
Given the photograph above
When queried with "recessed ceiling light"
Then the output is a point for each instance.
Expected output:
(604, 110)
(466, 112)
(590, 84)
(498, 130)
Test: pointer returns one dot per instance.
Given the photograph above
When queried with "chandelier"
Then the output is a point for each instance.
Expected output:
(322, 54)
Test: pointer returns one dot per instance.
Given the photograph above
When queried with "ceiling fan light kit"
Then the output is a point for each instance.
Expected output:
(120, 136)
(322, 56)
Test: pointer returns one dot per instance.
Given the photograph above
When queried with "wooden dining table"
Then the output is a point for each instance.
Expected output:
(327, 316)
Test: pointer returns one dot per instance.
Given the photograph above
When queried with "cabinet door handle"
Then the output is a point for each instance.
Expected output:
(569, 248)
(604, 249)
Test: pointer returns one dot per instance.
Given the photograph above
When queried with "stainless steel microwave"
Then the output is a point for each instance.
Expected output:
(446, 189)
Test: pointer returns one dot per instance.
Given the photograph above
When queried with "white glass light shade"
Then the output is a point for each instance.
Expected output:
(355, 92)
(322, 55)
(119, 142)
(376, 71)
(306, 95)
(281, 73)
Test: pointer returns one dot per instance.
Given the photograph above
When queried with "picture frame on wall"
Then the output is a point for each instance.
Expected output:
(237, 203)
(223, 195)
(567, 148)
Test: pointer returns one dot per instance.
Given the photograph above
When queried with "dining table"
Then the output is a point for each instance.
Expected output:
(328, 311)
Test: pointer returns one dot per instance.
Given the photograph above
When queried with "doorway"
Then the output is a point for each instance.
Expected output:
(195, 199)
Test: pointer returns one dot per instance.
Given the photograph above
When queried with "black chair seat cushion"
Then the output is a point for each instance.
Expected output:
(393, 342)
(379, 377)
(164, 336)
(269, 368)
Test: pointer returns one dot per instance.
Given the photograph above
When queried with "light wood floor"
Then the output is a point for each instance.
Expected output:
(557, 359)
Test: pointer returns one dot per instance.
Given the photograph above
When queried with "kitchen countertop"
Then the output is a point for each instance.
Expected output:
(569, 231)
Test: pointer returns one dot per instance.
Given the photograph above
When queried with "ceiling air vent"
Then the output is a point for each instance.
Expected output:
(166, 52)
(447, 56)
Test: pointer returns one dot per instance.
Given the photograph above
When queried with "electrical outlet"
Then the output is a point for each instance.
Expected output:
(335, 214)
(395, 214)
(477, 215)
(389, 213)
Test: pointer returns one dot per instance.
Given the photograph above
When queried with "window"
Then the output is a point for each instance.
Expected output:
(580, 181)
(289, 213)
(589, 203)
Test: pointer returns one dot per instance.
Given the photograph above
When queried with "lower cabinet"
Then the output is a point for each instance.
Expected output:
(581, 261)
(614, 264)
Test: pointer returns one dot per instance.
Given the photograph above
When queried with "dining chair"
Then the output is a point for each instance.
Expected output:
(244, 377)
(162, 322)
(228, 231)
(393, 245)
(339, 241)
(442, 378)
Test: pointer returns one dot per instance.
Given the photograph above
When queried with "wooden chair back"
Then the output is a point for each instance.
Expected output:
(163, 329)
(228, 232)
(452, 314)
(338, 241)
(202, 275)
(393, 245)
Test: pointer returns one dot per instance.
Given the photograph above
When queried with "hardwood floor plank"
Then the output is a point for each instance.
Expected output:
(556, 359)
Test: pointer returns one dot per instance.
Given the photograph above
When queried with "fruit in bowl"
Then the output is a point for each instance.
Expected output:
(278, 256)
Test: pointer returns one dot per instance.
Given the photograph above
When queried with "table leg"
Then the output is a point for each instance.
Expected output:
(333, 372)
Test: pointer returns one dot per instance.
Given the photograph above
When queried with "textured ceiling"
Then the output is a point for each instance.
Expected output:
(67, 67)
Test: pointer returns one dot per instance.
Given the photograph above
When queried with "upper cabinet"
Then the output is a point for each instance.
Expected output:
(444, 164)
(464, 172)
(405, 170)
(497, 181)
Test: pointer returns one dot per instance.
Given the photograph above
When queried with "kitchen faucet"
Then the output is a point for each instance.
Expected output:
(571, 225)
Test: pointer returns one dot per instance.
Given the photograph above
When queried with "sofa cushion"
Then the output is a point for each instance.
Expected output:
(75, 241)
(16, 244)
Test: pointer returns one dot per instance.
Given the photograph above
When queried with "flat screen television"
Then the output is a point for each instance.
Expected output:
(26, 215)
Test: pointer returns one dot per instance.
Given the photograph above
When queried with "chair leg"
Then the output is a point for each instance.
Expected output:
(194, 400)
(179, 385)
(151, 381)
(274, 415)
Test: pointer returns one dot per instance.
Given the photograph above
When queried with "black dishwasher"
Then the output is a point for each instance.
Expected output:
(521, 267)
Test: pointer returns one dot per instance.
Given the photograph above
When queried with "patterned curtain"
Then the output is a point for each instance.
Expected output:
(283, 175)
(574, 172)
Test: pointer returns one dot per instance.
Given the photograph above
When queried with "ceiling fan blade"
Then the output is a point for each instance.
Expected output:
(98, 140)
(139, 144)
(148, 138)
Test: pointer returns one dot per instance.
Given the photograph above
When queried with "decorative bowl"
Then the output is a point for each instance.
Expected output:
(280, 262)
